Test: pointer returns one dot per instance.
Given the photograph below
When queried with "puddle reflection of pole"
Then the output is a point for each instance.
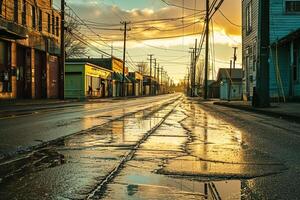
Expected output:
(204, 166)
(205, 139)
(206, 190)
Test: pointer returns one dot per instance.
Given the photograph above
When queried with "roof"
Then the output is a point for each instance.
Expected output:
(87, 63)
(287, 38)
(224, 73)
(103, 62)
(119, 77)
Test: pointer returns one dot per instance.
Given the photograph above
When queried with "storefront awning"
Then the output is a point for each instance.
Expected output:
(132, 79)
(119, 77)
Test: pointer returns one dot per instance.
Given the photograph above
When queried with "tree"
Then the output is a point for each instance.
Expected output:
(143, 68)
(74, 47)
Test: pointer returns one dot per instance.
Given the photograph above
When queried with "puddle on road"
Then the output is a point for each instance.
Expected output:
(71, 168)
(191, 156)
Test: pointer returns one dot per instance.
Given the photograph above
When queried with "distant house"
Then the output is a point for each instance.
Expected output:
(213, 89)
(230, 81)
(284, 45)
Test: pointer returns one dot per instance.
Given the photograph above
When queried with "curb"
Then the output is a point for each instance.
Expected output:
(284, 116)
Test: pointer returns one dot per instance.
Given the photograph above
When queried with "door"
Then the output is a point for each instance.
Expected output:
(74, 88)
(23, 73)
(40, 75)
(53, 87)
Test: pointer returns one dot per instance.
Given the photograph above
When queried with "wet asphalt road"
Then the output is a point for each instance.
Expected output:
(171, 148)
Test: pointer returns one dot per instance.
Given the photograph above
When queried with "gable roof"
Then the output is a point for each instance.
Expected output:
(224, 73)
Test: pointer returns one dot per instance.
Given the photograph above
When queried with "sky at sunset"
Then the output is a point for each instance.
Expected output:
(162, 38)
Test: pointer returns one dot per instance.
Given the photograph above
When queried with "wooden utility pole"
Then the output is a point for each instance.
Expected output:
(158, 68)
(188, 82)
(232, 65)
(206, 51)
(229, 83)
(62, 51)
(155, 76)
(161, 79)
(151, 55)
(234, 56)
(125, 23)
(261, 97)
(194, 70)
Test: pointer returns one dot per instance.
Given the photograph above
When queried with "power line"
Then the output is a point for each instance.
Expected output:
(232, 23)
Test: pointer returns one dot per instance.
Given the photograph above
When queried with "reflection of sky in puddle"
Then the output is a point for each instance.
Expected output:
(187, 158)
(136, 181)
(79, 162)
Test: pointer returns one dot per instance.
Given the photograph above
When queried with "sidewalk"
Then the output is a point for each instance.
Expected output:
(287, 111)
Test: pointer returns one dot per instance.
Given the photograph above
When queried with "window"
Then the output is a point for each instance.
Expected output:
(49, 23)
(33, 17)
(1, 3)
(16, 9)
(5, 75)
(53, 24)
(24, 12)
(249, 17)
(254, 54)
(292, 6)
(40, 20)
(57, 26)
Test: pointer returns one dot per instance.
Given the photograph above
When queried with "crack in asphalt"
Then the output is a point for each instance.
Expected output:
(98, 192)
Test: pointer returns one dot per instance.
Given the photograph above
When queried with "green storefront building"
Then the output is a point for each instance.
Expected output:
(86, 80)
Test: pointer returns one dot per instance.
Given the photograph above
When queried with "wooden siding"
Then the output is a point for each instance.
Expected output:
(249, 40)
(281, 23)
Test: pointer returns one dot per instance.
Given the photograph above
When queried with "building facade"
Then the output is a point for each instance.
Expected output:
(284, 45)
(29, 49)
(230, 83)
(85, 80)
(116, 65)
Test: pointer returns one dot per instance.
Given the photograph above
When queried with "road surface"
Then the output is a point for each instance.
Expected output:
(166, 147)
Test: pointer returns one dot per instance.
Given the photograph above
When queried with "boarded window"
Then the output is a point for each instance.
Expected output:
(292, 6)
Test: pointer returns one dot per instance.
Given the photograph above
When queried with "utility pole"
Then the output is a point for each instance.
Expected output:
(206, 50)
(125, 23)
(234, 56)
(192, 71)
(62, 51)
(158, 68)
(188, 83)
(261, 97)
(161, 80)
(155, 76)
(230, 81)
(151, 55)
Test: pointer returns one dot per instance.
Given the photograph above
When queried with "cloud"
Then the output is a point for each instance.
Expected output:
(101, 16)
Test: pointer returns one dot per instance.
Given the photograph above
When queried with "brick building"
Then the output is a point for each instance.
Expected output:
(29, 49)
